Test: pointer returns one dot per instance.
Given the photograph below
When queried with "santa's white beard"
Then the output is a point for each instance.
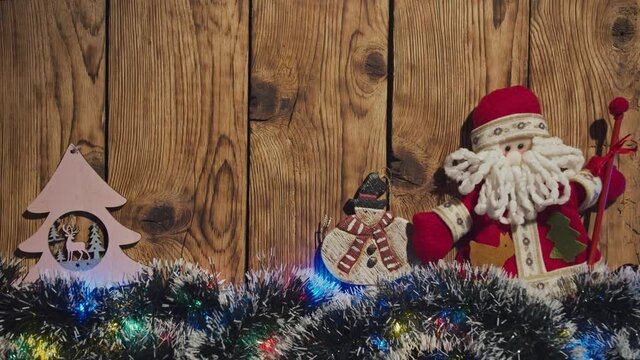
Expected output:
(514, 191)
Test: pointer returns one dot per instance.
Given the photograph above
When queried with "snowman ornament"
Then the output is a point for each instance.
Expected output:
(369, 244)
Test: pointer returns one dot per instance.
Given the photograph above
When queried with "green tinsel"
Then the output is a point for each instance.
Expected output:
(443, 311)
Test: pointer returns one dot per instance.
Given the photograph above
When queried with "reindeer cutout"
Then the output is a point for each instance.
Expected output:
(70, 232)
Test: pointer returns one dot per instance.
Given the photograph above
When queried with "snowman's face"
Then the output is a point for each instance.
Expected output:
(369, 216)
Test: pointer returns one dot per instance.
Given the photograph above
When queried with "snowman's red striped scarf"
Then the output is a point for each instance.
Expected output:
(363, 232)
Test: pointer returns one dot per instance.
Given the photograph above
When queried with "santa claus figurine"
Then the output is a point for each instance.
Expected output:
(522, 192)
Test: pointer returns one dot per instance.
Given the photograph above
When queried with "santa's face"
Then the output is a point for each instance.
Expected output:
(514, 149)
(520, 145)
(518, 178)
(369, 216)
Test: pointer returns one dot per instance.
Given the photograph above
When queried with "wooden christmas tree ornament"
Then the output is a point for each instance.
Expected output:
(370, 244)
(80, 237)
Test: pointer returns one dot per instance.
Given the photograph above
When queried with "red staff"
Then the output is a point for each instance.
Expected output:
(617, 108)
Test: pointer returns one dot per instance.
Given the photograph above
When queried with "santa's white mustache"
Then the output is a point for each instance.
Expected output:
(514, 158)
(517, 186)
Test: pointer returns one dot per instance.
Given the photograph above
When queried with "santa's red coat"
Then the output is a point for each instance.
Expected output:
(455, 223)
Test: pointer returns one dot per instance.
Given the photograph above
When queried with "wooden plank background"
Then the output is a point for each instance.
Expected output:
(234, 126)
(178, 128)
(317, 116)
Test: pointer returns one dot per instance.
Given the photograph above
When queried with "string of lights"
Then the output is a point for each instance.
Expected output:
(443, 311)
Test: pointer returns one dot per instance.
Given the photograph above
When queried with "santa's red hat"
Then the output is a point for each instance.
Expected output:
(506, 114)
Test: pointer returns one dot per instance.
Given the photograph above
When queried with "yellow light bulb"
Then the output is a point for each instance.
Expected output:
(42, 349)
(397, 328)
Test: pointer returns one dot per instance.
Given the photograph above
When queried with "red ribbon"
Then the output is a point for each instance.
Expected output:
(367, 196)
(616, 149)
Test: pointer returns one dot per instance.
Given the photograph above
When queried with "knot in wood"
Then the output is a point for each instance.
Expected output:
(263, 100)
(375, 65)
(622, 31)
(158, 219)
(407, 169)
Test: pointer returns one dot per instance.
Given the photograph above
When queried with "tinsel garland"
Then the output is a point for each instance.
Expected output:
(441, 311)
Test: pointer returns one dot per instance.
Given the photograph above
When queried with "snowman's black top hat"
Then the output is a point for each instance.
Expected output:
(367, 195)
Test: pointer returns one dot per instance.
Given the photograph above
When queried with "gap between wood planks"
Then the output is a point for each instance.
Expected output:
(390, 69)
(107, 15)
(247, 220)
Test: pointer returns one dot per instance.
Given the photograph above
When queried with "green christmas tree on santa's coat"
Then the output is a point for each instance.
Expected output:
(564, 237)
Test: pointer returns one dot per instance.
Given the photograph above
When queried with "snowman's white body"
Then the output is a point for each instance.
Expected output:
(337, 243)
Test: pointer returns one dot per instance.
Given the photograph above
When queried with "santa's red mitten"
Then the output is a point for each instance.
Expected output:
(432, 239)
(618, 183)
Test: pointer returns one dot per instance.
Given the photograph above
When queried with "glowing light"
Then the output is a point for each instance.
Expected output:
(40, 349)
(83, 302)
(132, 326)
(380, 343)
(592, 343)
(319, 288)
(402, 324)
(397, 328)
(269, 345)
(455, 316)
(212, 284)
(84, 308)
(113, 327)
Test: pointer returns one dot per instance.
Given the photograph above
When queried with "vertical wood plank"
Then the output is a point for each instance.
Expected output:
(178, 127)
(448, 54)
(52, 73)
(318, 109)
(584, 53)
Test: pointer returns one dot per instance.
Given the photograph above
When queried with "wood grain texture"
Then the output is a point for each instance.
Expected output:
(178, 127)
(52, 74)
(447, 55)
(178, 133)
(584, 53)
(318, 111)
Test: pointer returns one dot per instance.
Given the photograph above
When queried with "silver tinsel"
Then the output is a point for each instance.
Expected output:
(442, 311)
